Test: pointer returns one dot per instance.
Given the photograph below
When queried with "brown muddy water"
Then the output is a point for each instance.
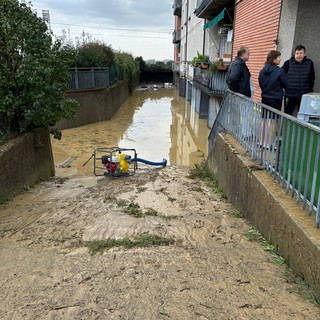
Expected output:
(158, 124)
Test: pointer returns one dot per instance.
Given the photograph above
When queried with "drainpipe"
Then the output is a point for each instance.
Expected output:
(204, 40)
(186, 51)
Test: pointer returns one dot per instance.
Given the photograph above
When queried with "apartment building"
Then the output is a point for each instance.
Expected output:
(217, 28)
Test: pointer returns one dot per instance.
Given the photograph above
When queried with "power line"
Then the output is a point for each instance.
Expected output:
(119, 35)
(110, 28)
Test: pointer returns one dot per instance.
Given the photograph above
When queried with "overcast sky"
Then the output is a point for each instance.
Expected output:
(140, 27)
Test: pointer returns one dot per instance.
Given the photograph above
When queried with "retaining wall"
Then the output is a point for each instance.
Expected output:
(261, 200)
(28, 158)
(24, 161)
(96, 105)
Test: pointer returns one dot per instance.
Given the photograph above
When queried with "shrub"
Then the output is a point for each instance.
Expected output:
(34, 71)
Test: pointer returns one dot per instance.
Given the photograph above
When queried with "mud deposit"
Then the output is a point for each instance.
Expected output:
(210, 271)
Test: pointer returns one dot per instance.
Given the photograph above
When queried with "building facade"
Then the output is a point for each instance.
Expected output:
(218, 28)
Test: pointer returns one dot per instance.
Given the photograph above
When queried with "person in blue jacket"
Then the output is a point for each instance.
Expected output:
(273, 81)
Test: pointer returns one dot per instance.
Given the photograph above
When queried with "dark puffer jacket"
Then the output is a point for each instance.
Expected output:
(300, 75)
(272, 81)
(238, 77)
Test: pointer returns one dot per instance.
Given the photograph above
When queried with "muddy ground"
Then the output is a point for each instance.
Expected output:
(211, 270)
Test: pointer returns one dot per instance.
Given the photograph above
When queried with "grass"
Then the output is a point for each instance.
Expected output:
(151, 212)
(303, 289)
(202, 172)
(169, 217)
(141, 241)
(219, 193)
(3, 200)
(254, 235)
(234, 213)
(134, 210)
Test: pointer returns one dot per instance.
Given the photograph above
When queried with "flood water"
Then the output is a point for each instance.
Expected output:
(158, 124)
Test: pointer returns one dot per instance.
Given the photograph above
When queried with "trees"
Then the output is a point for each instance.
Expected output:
(130, 66)
(142, 64)
(34, 71)
(94, 54)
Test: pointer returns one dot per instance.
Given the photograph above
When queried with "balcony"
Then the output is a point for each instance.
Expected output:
(175, 67)
(177, 4)
(208, 9)
(213, 84)
(176, 36)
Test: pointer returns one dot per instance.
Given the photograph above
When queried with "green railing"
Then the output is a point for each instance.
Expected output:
(288, 148)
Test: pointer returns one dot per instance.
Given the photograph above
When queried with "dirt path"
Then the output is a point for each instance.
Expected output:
(211, 271)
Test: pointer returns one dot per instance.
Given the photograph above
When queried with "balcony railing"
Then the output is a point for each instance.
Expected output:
(208, 9)
(213, 83)
(177, 8)
(176, 36)
(175, 67)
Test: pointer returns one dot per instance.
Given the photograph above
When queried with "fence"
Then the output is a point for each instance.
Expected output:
(89, 78)
(288, 148)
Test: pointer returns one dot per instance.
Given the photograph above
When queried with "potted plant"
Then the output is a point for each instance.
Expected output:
(218, 65)
(200, 60)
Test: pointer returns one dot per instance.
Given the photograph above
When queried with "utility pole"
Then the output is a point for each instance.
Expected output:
(46, 18)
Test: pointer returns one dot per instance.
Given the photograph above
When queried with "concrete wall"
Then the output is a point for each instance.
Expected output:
(96, 105)
(287, 28)
(299, 25)
(264, 204)
(24, 161)
(28, 158)
(307, 33)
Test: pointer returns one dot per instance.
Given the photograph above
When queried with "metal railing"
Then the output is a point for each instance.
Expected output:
(89, 78)
(177, 5)
(288, 148)
(215, 83)
(175, 67)
(201, 4)
(176, 36)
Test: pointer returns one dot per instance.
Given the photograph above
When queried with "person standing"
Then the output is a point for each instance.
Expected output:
(238, 80)
(273, 81)
(301, 76)
(238, 75)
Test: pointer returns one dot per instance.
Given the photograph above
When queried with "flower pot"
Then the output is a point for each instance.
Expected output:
(204, 65)
(221, 67)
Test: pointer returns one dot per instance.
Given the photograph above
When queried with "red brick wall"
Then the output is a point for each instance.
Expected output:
(256, 26)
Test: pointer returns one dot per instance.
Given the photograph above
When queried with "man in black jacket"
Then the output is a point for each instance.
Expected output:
(238, 75)
(301, 75)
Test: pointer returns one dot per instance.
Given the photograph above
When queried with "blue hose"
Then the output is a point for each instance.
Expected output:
(161, 163)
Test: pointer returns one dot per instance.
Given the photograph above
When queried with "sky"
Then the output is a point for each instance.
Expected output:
(140, 27)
